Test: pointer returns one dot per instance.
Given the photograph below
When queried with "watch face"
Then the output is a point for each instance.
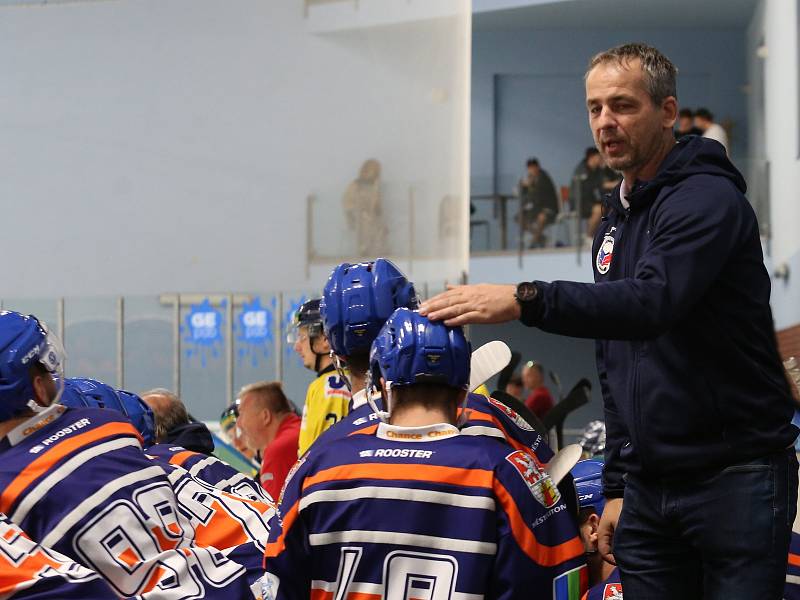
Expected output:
(526, 291)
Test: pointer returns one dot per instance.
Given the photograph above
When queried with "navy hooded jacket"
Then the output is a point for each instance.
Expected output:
(686, 351)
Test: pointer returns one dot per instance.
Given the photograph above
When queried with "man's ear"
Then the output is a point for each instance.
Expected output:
(594, 524)
(669, 110)
(266, 415)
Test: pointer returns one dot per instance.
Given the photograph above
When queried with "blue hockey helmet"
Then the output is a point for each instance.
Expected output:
(411, 349)
(588, 476)
(25, 341)
(82, 391)
(357, 300)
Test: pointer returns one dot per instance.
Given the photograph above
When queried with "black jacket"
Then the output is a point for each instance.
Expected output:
(686, 349)
(192, 436)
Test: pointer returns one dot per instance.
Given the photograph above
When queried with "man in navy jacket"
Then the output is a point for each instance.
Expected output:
(697, 405)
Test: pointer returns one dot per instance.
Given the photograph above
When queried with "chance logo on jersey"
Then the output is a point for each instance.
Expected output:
(511, 414)
(536, 478)
(613, 591)
(604, 254)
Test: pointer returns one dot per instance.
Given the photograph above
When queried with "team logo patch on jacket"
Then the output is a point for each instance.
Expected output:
(572, 584)
(613, 591)
(536, 478)
(604, 254)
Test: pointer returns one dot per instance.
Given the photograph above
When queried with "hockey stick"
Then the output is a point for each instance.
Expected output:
(562, 463)
(487, 361)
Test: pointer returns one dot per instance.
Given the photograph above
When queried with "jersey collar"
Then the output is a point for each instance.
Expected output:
(360, 398)
(428, 433)
(35, 423)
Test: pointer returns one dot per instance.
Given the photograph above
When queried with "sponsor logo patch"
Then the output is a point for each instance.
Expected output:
(536, 478)
(511, 414)
(612, 591)
(36, 449)
(605, 253)
(402, 453)
(366, 453)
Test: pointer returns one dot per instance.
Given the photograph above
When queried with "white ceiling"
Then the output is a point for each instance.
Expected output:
(627, 14)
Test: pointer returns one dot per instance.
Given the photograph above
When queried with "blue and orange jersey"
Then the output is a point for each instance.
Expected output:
(76, 480)
(406, 512)
(610, 589)
(485, 417)
(210, 470)
(29, 571)
(792, 589)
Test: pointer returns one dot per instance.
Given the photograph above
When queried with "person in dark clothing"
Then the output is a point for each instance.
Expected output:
(173, 425)
(538, 202)
(591, 181)
(697, 406)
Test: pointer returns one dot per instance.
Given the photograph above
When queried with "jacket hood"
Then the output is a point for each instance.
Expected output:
(691, 155)
(192, 436)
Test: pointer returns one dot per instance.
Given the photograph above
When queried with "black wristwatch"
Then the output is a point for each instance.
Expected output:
(526, 296)
(526, 292)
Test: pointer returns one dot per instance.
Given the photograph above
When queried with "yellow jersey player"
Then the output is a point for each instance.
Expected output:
(328, 396)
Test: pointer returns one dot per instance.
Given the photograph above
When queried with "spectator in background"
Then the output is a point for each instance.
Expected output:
(591, 181)
(267, 421)
(539, 400)
(538, 202)
(704, 120)
(227, 423)
(514, 386)
(686, 124)
(173, 425)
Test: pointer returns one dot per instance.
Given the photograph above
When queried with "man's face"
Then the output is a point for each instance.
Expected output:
(627, 127)
(533, 171)
(303, 347)
(532, 377)
(594, 161)
(684, 123)
(701, 123)
(252, 422)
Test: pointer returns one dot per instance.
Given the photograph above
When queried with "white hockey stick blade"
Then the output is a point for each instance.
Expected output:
(487, 361)
(562, 463)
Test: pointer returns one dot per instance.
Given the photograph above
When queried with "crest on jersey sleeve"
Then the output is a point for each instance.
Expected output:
(572, 584)
(536, 478)
(512, 414)
(612, 591)
(604, 254)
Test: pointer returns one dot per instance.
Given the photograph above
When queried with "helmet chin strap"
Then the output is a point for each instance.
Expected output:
(382, 414)
(337, 362)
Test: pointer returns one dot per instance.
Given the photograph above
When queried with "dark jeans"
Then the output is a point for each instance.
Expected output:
(721, 537)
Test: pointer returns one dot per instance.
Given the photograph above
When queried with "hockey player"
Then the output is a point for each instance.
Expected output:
(29, 571)
(328, 396)
(604, 579)
(82, 392)
(77, 481)
(357, 300)
(417, 510)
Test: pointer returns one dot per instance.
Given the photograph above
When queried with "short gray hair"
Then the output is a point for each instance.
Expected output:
(170, 416)
(660, 74)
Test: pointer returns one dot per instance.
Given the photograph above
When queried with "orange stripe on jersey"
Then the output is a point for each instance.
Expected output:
(320, 594)
(46, 461)
(547, 556)
(368, 430)
(794, 559)
(181, 457)
(404, 472)
(363, 596)
(276, 547)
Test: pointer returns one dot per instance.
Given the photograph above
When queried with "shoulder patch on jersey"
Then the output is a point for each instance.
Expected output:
(300, 462)
(572, 584)
(536, 478)
(612, 591)
(511, 414)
